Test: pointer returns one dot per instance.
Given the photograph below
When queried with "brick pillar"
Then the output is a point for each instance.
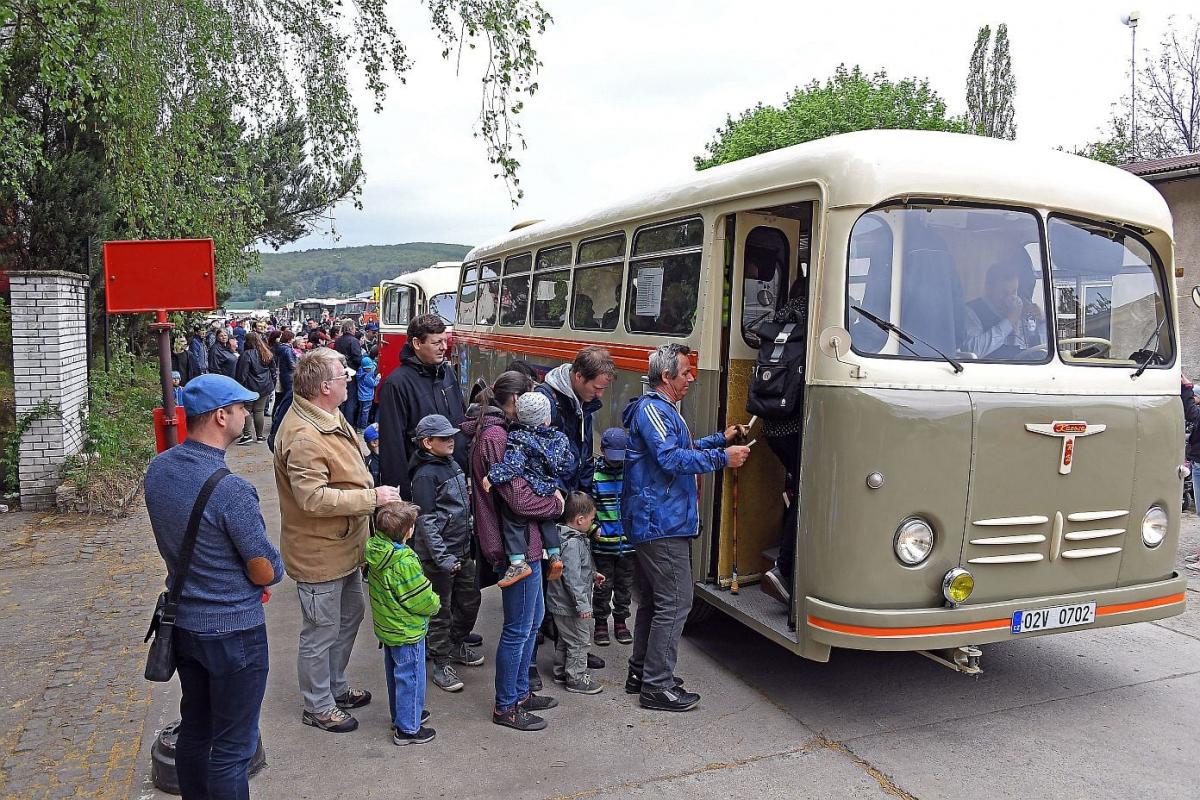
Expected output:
(49, 364)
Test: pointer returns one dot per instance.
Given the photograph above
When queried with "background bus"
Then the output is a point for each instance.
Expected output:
(430, 290)
(362, 308)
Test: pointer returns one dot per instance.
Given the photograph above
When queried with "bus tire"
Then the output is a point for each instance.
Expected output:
(702, 612)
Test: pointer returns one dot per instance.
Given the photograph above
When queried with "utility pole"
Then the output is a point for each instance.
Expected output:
(1130, 21)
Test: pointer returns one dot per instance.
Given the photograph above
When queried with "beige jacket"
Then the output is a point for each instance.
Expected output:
(326, 495)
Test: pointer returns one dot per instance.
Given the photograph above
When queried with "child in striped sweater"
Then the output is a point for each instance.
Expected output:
(611, 549)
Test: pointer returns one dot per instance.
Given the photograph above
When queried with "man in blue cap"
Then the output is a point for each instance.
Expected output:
(220, 629)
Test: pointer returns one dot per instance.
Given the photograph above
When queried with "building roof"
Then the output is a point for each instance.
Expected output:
(865, 168)
(1159, 166)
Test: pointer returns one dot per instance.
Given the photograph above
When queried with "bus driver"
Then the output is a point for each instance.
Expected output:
(995, 320)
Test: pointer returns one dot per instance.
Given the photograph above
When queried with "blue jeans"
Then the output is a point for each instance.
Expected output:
(223, 677)
(349, 406)
(524, 607)
(404, 671)
(364, 413)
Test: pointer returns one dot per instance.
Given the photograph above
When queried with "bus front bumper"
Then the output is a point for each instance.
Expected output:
(936, 628)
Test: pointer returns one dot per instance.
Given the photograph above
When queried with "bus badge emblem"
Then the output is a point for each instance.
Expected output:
(1067, 431)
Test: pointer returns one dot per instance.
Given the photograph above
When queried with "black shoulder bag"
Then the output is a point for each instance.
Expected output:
(160, 663)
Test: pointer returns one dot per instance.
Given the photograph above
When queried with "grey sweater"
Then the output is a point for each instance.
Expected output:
(571, 595)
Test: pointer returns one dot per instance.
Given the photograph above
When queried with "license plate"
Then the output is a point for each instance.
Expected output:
(1044, 619)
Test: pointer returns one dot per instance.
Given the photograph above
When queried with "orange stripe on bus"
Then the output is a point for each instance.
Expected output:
(627, 357)
(986, 625)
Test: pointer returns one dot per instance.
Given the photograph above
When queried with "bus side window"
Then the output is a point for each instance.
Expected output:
(764, 278)
(663, 289)
(467, 295)
(551, 282)
(596, 300)
(489, 294)
(514, 290)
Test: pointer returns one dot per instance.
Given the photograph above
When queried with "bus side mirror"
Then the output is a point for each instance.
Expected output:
(1196, 296)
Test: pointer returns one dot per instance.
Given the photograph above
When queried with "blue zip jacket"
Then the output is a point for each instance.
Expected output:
(367, 380)
(658, 499)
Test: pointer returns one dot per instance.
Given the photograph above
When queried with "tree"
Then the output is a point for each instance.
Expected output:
(848, 101)
(1168, 103)
(991, 86)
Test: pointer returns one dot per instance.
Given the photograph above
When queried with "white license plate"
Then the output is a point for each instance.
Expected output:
(1044, 619)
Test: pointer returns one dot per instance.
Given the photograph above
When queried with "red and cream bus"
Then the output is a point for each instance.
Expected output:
(432, 290)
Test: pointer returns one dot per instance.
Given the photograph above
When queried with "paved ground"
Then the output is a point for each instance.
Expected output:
(1081, 715)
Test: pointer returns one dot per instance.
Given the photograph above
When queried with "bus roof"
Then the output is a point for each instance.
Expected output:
(867, 167)
(437, 279)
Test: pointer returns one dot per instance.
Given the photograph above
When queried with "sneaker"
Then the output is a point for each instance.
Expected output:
(554, 571)
(334, 720)
(585, 685)
(535, 679)
(245, 440)
(677, 699)
(472, 640)
(465, 655)
(518, 719)
(422, 736)
(353, 698)
(537, 702)
(600, 635)
(1193, 558)
(595, 662)
(516, 571)
(424, 718)
(633, 683)
(772, 585)
(621, 632)
(559, 677)
(445, 678)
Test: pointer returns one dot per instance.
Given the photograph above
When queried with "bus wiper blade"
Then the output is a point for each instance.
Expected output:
(905, 336)
(1150, 354)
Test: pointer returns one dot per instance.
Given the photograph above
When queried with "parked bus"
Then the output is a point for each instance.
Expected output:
(360, 309)
(429, 290)
(951, 492)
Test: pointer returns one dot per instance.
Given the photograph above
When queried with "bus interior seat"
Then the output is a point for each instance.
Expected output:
(931, 301)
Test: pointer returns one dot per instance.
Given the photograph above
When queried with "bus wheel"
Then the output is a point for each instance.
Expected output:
(700, 614)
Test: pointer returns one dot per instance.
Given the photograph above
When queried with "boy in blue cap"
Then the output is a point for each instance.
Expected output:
(611, 548)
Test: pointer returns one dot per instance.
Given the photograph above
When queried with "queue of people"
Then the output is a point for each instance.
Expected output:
(446, 500)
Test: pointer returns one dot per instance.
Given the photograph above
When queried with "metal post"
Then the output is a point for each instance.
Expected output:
(1133, 88)
(164, 328)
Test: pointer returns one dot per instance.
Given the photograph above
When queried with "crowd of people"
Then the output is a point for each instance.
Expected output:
(442, 497)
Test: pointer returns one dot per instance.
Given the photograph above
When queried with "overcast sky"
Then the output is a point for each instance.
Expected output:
(631, 91)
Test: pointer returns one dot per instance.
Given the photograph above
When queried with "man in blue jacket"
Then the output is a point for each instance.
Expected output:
(658, 512)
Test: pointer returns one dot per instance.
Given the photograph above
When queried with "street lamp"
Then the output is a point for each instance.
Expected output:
(1130, 21)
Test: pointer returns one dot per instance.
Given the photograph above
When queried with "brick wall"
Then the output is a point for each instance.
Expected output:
(49, 364)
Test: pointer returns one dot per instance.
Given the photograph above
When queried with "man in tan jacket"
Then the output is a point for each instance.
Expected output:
(325, 504)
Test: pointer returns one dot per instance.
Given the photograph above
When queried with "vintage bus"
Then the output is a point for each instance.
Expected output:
(361, 308)
(430, 290)
(991, 425)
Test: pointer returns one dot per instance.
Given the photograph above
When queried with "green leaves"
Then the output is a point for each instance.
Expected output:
(849, 101)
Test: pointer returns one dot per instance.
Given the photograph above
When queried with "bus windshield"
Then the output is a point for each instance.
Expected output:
(443, 306)
(969, 281)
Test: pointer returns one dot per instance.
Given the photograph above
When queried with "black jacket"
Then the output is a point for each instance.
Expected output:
(222, 360)
(1191, 419)
(443, 534)
(412, 391)
(349, 347)
(574, 419)
(255, 375)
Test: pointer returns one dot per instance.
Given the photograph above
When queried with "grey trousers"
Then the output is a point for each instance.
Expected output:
(332, 613)
(570, 652)
(664, 580)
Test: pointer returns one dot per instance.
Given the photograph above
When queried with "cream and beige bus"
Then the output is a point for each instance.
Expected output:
(992, 432)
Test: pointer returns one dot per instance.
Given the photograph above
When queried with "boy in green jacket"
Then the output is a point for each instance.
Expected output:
(402, 601)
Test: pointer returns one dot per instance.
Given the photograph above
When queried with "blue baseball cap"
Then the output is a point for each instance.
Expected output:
(372, 432)
(210, 391)
(612, 444)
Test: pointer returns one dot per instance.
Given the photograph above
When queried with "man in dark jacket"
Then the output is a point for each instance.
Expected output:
(347, 344)
(443, 543)
(423, 384)
(197, 353)
(575, 390)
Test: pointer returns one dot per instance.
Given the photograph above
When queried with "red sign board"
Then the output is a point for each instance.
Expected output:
(160, 275)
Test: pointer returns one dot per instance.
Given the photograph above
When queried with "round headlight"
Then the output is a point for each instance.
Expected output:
(958, 585)
(1154, 526)
(913, 542)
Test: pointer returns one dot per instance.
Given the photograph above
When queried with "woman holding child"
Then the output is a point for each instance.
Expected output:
(523, 601)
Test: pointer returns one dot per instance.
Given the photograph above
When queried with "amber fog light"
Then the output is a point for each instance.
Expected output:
(957, 585)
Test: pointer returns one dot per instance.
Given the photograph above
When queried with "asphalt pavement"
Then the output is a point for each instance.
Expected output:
(1090, 714)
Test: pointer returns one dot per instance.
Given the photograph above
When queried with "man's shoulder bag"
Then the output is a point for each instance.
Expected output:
(160, 663)
(777, 386)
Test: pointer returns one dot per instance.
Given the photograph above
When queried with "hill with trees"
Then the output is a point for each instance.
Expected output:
(338, 272)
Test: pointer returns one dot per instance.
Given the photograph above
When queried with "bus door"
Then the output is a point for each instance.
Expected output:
(768, 248)
(397, 301)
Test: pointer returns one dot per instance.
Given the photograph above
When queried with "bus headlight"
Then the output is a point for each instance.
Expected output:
(957, 585)
(913, 542)
(1154, 526)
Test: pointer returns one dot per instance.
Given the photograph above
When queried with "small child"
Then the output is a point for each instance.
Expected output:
(175, 379)
(611, 548)
(402, 601)
(443, 542)
(371, 436)
(570, 599)
(367, 381)
(542, 456)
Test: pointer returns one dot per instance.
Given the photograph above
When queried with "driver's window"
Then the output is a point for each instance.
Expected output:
(764, 274)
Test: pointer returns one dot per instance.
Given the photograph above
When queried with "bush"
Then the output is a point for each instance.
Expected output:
(118, 433)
